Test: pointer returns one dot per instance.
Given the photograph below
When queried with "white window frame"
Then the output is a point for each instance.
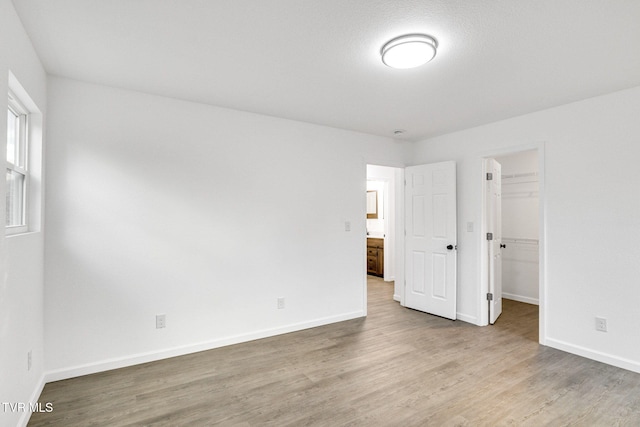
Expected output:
(22, 166)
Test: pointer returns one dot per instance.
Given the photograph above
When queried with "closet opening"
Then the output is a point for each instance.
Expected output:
(513, 222)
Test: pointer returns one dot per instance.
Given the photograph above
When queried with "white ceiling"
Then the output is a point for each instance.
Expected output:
(318, 60)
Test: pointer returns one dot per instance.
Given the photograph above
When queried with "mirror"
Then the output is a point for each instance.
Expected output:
(372, 204)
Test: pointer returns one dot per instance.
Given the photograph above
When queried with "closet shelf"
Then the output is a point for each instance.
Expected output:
(519, 194)
(518, 240)
(518, 178)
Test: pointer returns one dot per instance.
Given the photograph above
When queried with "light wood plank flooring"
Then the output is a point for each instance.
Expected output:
(397, 367)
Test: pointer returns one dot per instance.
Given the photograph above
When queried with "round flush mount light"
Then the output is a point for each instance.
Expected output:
(409, 51)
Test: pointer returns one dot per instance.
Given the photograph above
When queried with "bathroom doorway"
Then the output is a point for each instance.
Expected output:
(384, 199)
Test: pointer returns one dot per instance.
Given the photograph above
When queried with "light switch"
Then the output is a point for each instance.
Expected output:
(470, 226)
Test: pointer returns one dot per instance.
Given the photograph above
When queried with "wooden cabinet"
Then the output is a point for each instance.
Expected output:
(375, 256)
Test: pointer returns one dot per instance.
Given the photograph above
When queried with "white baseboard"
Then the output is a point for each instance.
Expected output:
(466, 318)
(136, 359)
(396, 298)
(609, 359)
(35, 396)
(520, 298)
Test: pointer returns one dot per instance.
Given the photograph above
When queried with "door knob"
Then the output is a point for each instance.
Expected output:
(502, 245)
(449, 247)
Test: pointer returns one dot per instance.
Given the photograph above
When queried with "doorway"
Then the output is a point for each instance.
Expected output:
(384, 189)
(422, 206)
(518, 253)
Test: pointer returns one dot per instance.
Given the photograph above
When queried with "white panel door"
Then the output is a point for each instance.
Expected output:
(430, 210)
(494, 226)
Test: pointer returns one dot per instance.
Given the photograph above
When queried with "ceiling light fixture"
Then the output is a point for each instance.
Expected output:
(409, 51)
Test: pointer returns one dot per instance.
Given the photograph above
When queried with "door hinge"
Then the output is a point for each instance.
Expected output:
(489, 176)
(489, 296)
(489, 236)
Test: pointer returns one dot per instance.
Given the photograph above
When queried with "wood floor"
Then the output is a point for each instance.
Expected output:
(397, 367)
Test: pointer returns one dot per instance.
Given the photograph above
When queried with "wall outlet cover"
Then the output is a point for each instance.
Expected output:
(161, 321)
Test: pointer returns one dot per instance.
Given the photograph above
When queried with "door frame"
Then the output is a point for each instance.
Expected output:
(482, 247)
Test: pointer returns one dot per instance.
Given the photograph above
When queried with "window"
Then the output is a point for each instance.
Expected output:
(17, 166)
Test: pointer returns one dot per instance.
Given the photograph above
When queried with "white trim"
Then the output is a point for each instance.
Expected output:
(399, 282)
(15, 230)
(35, 396)
(20, 165)
(542, 246)
(152, 356)
(609, 359)
(26, 233)
(363, 240)
(466, 318)
(388, 236)
(520, 298)
(20, 101)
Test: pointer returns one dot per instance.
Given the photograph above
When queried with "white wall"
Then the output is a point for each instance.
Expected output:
(207, 215)
(21, 256)
(520, 226)
(592, 218)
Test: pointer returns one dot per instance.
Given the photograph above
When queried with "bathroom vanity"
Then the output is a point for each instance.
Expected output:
(375, 256)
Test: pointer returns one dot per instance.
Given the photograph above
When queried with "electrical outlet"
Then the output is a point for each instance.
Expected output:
(280, 303)
(347, 226)
(161, 321)
(601, 324)
(29, 360)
